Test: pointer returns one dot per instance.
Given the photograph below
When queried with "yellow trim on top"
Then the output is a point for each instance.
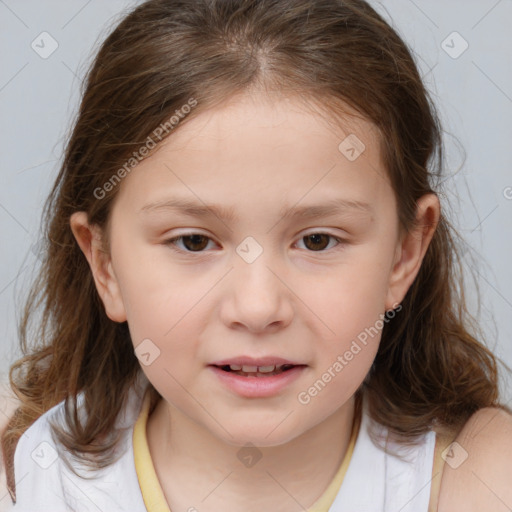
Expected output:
(152, 492)
(327, 499)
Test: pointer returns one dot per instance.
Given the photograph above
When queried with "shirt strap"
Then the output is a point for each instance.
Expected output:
(443, 441)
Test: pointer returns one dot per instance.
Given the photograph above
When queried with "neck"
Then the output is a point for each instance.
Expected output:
(195, 468)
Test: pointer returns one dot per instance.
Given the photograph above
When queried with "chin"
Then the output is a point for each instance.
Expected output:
(262, 435)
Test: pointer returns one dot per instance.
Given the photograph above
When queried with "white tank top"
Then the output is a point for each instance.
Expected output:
(377, 481)
(374, 482)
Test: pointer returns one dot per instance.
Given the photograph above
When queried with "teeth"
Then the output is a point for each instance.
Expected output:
(254, 369)
(266, 369)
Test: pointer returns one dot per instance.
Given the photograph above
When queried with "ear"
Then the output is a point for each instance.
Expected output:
(90, 239)
(411, 249)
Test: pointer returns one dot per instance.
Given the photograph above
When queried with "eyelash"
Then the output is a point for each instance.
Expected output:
(172, 241)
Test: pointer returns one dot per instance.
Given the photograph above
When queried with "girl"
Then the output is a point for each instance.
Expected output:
(251, 296)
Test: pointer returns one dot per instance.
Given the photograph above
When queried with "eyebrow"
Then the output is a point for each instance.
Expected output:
(191, 208)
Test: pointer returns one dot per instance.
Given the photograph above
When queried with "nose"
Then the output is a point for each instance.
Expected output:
(255, 296)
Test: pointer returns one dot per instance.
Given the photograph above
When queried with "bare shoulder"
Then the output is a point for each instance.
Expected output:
(478, 465)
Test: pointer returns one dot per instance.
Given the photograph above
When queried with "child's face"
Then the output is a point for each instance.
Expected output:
(312, 301)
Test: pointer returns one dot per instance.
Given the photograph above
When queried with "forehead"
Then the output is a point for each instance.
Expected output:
(272, 149)
(293, 120)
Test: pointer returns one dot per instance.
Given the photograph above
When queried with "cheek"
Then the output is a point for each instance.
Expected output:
(349, 350)
(348, 299)
(349, 308)
(156, 294)
(166, 311)
(352, 319)
(166, 326)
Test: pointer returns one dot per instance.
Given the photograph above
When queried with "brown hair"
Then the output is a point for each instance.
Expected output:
(430, 369)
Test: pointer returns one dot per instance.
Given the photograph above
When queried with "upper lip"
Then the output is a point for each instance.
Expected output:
(255, 361)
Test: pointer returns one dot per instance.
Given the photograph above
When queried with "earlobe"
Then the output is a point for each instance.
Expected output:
(90, 240)
(412, 248)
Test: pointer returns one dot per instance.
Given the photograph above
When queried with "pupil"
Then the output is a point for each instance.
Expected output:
(316, 239)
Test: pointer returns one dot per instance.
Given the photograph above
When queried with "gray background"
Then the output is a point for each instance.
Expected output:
(473, 91)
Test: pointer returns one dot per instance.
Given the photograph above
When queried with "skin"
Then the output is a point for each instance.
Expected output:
(483, 479)
(308, 306)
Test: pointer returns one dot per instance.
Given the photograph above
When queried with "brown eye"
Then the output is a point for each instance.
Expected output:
(318, 242)
(196, 242)
(192, 243)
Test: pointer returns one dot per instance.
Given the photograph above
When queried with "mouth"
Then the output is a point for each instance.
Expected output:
(256, 371)
(257, 381)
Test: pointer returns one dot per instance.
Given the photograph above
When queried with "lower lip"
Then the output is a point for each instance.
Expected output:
(258, 387)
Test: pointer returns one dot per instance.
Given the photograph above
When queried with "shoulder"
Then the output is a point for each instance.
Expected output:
(477, 473)
(48, 478)
(35, 462)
